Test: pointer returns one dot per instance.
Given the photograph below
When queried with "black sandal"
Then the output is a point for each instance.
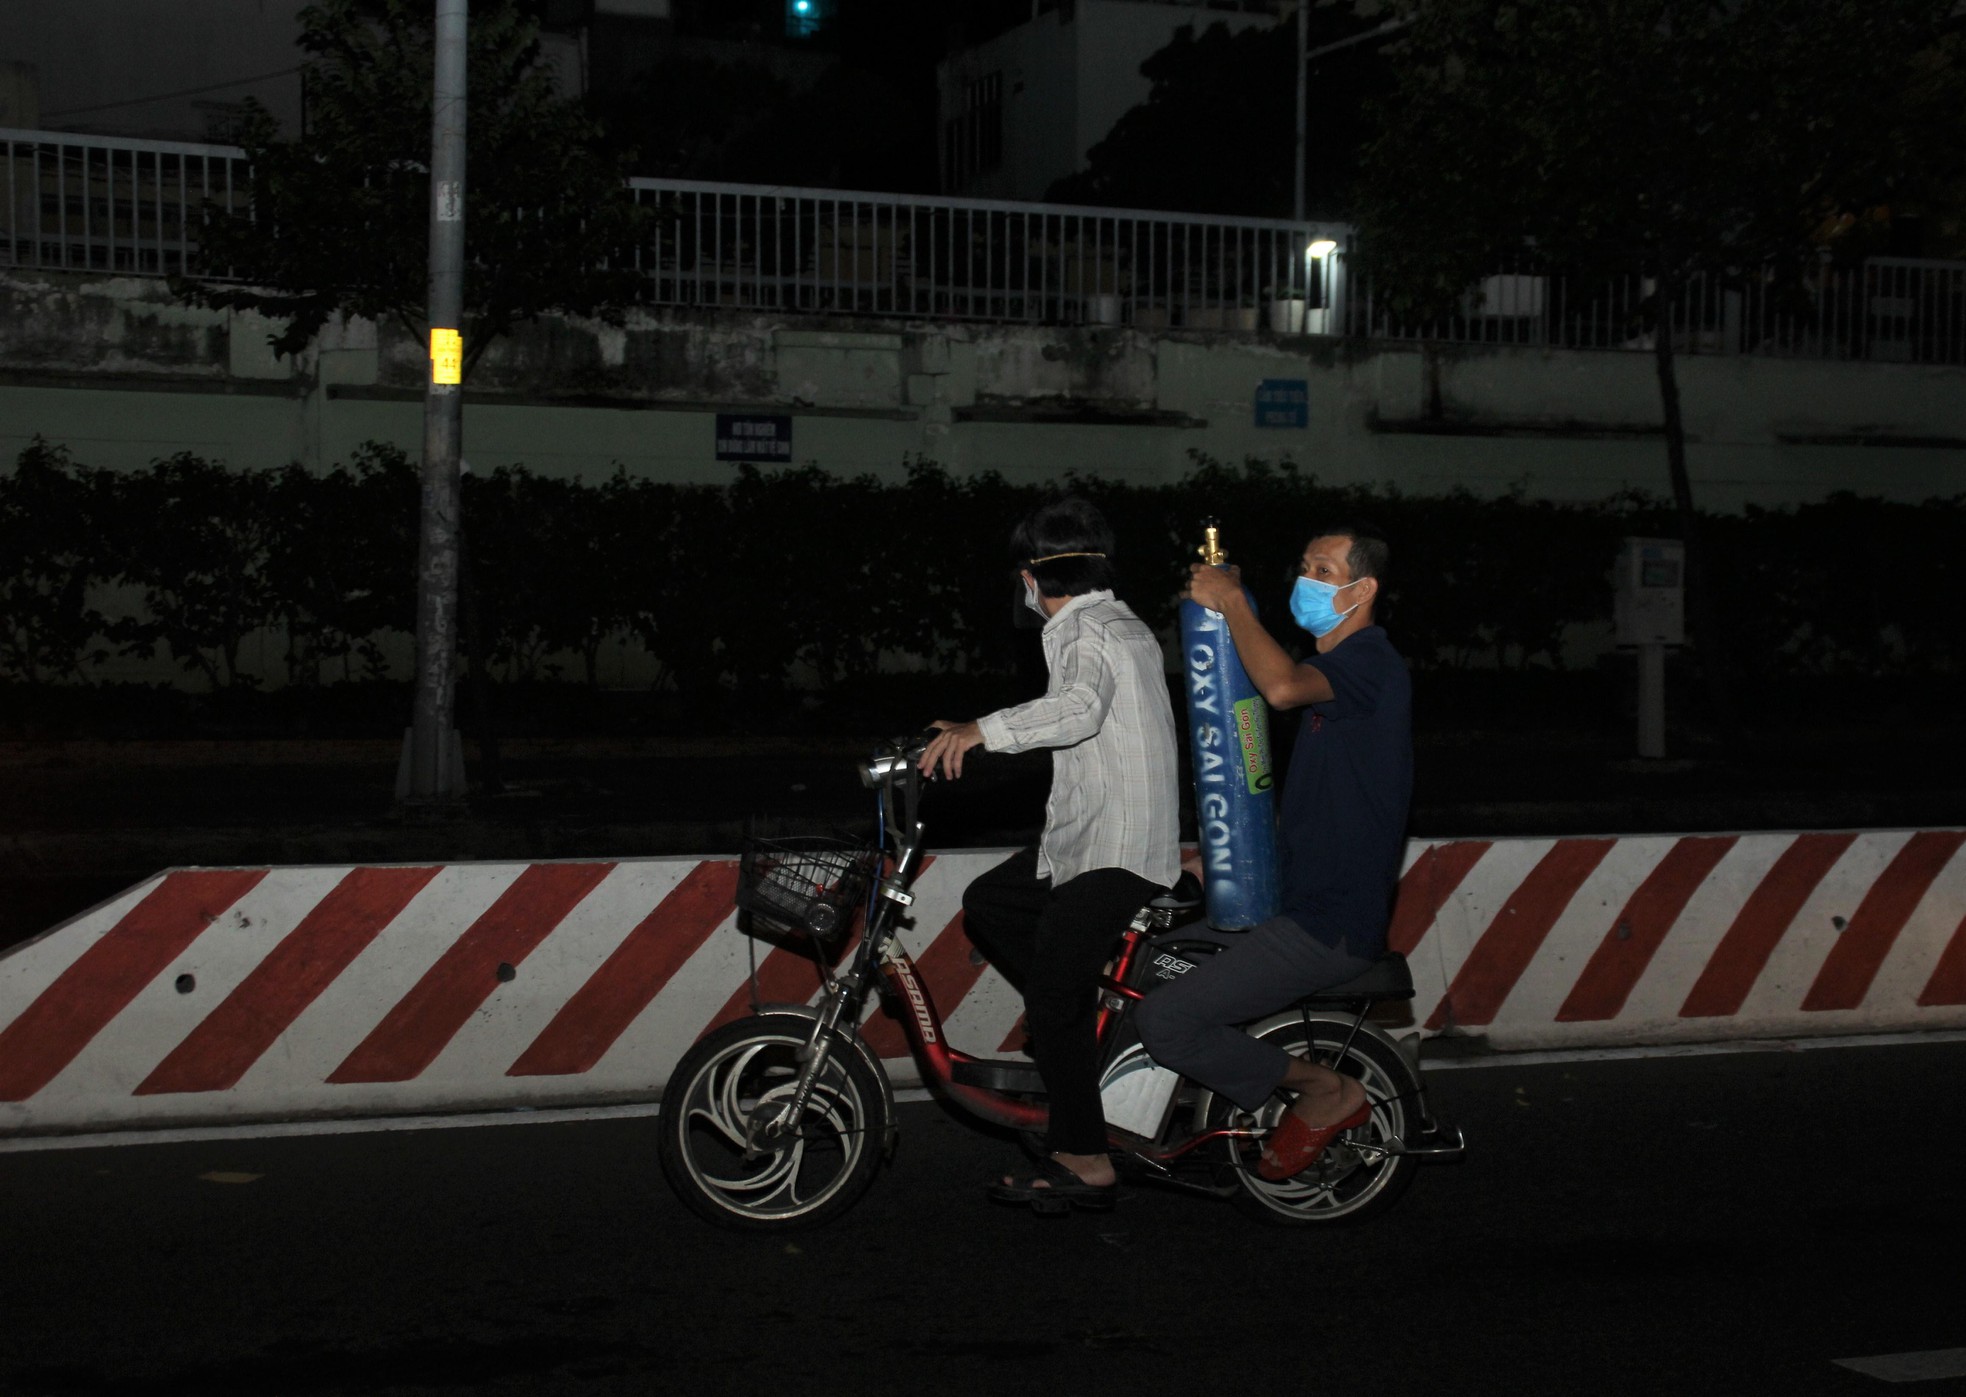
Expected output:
(1061, 1191)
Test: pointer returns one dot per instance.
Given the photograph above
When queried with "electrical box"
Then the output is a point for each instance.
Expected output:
(1649, 594)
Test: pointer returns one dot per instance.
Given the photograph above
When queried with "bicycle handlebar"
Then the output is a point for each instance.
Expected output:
(895, 758)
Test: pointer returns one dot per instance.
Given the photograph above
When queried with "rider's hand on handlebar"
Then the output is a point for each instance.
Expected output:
(951, 741)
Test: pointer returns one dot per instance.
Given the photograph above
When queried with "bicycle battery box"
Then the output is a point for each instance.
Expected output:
(1137, 1093)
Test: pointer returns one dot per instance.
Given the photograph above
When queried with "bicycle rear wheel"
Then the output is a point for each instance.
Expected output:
(1356, 1177)
(730, 1147)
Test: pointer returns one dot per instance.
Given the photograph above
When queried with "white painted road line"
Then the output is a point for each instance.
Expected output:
(1927, 1366)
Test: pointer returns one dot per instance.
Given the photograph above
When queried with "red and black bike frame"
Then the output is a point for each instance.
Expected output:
(921, 1024)
(880, 951)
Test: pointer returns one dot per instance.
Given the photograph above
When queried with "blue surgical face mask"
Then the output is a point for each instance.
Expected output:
(1313, 605)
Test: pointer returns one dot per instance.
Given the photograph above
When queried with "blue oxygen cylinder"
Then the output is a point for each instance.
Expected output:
(1235, 789)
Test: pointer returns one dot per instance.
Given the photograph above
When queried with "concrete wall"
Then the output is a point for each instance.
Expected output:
(121, 373)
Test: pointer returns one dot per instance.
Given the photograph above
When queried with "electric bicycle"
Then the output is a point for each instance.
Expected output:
(783, 1119)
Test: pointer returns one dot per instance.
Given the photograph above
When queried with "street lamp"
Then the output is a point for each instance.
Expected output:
(1318, 299)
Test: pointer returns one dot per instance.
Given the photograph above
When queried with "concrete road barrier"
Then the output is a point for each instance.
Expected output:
(235, 994)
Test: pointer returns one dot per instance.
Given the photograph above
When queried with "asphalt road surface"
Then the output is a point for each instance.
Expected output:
(1724, 1224)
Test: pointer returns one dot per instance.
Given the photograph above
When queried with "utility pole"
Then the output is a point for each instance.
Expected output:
(1303, 82)
(1305, 53)
(431, 775)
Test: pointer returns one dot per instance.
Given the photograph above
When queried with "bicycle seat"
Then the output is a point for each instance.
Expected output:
(1386, 978)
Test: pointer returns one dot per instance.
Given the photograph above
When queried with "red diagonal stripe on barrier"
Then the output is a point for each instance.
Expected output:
(1425, 886)
(785, 976)
(1854, 960)
(306, 961)
(946, 973)
(1742, 953)
(1513, 938)
(1948, 982)
(618, 991)
(788, 976)
(412, 1034)
(66, 1015)
(1640, 928)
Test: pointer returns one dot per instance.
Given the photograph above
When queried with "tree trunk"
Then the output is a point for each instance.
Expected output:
(1709, 635)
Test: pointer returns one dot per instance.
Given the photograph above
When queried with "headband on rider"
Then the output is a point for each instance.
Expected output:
(1054, 557)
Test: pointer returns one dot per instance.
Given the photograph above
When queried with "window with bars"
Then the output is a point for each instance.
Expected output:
(972, 140)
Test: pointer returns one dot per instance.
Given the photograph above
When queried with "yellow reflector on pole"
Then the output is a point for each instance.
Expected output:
(446, 356)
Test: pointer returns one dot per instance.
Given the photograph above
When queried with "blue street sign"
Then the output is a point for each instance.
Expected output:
(744, 437)
(1283, 402)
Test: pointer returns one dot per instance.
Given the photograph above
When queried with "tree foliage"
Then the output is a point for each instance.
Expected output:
(1663, 138)
(340, 214)
(50, 535)
(1217, 133)
(341, 564)
(547, 558)
(198, 540)
(797, 579)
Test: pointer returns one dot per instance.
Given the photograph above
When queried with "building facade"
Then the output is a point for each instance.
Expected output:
(1023, 109)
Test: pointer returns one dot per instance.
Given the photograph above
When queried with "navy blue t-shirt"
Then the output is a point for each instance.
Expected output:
(1346, 798)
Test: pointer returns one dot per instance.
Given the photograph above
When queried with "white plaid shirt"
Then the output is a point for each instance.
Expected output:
(1106, 715)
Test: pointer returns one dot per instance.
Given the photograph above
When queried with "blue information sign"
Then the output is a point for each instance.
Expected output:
(1283, 402)
(744, 437)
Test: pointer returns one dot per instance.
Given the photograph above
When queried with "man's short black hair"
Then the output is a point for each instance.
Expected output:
(1068, 526)
(1369, 555)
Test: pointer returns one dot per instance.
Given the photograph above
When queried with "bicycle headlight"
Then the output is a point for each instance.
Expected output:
(882, 768)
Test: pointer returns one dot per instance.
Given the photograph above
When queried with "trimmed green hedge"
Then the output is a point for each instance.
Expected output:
(799, 578)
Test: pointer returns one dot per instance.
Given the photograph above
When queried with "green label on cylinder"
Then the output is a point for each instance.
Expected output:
(1253, 735)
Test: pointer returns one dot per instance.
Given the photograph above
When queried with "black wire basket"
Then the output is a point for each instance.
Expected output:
(808, 883)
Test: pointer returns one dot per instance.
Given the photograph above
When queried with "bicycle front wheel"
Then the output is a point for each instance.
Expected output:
(736, 1152)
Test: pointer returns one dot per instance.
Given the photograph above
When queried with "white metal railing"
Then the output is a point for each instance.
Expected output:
(101, 203)
(762, 247)
(96, 203)
(1885, 309)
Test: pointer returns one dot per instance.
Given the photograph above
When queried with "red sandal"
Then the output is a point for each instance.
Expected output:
(1294, 1146)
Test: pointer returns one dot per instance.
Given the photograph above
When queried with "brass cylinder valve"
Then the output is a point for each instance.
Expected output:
(1212, 552)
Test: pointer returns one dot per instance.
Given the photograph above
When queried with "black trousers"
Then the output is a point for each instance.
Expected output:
(1051, 943)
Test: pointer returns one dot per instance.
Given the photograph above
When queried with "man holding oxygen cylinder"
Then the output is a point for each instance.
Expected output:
(1343, 830)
